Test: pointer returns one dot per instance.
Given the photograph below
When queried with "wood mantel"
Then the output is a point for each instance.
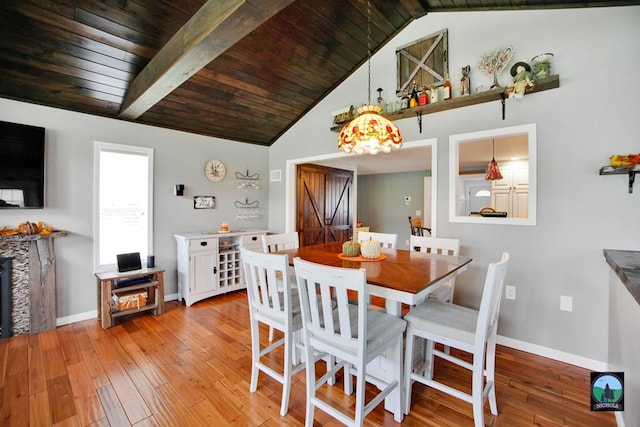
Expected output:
(42, 277)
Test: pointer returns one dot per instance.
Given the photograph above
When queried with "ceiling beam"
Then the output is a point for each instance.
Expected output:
(217, 26)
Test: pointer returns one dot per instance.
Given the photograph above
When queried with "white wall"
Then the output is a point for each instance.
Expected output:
(592, 115)
(179, 159)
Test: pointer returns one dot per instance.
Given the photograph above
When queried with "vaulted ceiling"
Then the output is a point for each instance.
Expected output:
(245, 70)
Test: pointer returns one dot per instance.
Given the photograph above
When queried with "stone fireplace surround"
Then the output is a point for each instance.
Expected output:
(33, 281)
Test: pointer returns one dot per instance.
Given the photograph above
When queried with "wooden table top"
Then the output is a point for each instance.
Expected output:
(402, 270)
(114, 274)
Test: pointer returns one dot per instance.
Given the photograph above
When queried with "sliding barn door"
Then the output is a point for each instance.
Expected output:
(324, 204)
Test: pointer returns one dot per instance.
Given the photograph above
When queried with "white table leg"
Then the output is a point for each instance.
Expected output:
(394, 357)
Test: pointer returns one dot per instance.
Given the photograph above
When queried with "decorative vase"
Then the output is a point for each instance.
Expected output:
(542, 65)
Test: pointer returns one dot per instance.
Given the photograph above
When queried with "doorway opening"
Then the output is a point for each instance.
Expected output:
(424, 151)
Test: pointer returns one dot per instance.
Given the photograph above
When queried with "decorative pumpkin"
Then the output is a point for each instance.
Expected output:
(351, 248)
(28, 228)
(370, 248)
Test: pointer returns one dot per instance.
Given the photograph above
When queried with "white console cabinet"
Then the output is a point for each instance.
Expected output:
(209, 263)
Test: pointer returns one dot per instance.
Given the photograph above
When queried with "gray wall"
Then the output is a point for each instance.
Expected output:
(592, 115)
(179, 159)
(381, 203)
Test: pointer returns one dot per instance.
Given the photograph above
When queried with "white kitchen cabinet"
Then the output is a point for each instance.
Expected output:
(209, 264)
(511, 193)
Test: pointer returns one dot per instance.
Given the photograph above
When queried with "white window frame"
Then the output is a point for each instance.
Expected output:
(98, 148)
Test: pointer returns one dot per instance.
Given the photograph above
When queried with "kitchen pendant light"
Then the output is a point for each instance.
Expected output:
(493, 171)
(369, 132)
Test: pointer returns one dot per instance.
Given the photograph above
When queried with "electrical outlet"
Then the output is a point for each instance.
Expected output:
(418, 213)
(566, 303)
(406, 242)
(510, 292)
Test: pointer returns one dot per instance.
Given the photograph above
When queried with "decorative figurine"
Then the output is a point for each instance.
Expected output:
(465, 82)
(521, 72)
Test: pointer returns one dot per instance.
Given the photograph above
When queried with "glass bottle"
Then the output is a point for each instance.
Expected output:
(414, 102)
(433, 94)
(404, 101)
(381, 102)
(423, 99)
(447, 88)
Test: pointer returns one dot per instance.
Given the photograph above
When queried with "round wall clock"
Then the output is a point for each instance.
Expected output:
(215, 170)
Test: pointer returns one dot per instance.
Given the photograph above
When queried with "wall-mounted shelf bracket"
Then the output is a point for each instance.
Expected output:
(419, 116)
(630, 170)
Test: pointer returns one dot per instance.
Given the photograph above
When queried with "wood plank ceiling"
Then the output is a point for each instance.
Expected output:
(244, 70)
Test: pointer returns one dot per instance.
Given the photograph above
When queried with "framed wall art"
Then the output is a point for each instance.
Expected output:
(425, 62)
(204, 202)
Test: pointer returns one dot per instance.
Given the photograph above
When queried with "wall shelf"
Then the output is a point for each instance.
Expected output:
(630, 170)
(551, 82)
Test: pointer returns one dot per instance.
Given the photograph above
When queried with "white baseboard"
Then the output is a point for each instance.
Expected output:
(93, 314)
(572, 359)
(77, 317)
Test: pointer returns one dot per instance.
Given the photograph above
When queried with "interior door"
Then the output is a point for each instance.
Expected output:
(324, 204)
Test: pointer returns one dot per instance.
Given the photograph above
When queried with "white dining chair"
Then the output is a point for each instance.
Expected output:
(351, 332)
(280, 242)
(387, 240)
(359, 230)
(272, 302)
(438, 245)
(472, 331)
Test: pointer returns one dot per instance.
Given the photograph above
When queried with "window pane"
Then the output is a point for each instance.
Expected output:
(124, 202)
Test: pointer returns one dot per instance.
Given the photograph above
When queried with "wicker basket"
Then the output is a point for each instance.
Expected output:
(128, 300)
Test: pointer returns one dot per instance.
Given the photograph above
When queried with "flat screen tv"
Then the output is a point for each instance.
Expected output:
(21, 166)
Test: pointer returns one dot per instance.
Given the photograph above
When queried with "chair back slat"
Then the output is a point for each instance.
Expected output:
(280, 242)
(491, 297)
(387, 240)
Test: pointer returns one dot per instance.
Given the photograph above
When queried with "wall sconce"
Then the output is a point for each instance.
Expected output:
(179, 190)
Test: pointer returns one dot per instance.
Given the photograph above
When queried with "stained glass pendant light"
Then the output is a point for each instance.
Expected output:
(493, 171)
(369, 132)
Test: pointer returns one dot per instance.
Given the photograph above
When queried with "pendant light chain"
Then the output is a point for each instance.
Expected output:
(369, 132)
(369, 52)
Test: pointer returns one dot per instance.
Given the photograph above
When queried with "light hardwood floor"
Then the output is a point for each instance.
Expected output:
(191, 366)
